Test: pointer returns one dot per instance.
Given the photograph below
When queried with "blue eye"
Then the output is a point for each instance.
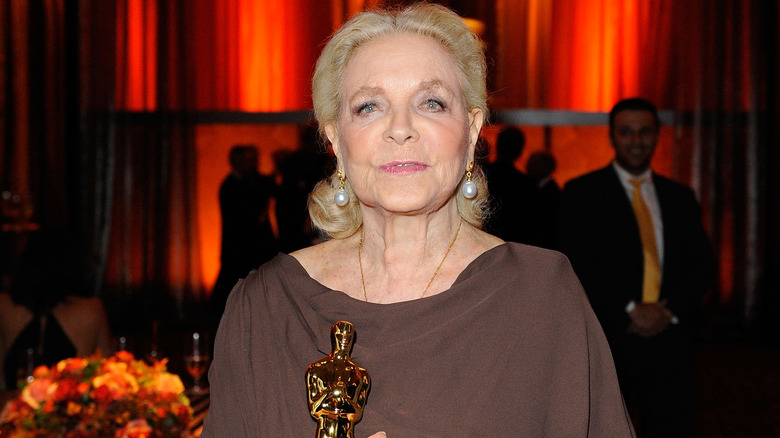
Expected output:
(434, 105)
(368, 107)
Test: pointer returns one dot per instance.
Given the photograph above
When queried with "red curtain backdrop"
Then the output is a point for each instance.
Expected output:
(32, 126)
(587, 54)
(239, 55)
(582, 55)
(136, 53)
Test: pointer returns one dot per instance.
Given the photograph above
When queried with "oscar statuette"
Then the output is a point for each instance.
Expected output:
(337, 387)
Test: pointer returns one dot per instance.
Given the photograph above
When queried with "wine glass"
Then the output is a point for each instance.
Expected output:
(196, 362)
(153, 354)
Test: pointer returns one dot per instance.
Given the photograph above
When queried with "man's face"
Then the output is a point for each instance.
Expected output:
(634, 138)
(248, 163)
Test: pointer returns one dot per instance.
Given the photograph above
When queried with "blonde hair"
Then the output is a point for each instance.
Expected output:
(430, 20)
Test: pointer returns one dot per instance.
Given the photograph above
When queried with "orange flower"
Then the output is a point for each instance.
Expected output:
(138, 428)
(38, 391)
(83, 388)
(114, 367)
(117, 380)
(160, 365)
(41, 371)
(71, 366)
(167, 383)
(73, 409)
(124, 356)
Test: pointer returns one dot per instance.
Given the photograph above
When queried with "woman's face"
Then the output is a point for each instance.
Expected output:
(404, 136)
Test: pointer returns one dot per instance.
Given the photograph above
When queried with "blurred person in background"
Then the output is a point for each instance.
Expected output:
(248, 238)
(48, 314)
(636, 240)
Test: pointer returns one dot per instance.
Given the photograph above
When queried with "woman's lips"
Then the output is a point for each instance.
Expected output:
(401, 167)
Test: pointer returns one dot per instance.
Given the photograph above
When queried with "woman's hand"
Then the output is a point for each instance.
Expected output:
(379, 435)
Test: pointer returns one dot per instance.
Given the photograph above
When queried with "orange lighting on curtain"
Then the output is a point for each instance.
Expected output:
(597, 49)
(238, 55)
(267, 41)
(136, 55)
(277, 44)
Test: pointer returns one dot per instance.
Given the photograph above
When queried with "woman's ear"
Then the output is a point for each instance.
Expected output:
(332, 133)
(476, 119)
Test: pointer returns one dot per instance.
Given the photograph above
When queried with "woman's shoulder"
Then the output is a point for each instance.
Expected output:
(535, 256)
(312, 254)
(12, 316)
(540, 267)
(542, 276)
(10, 309)
(83, 308)
(5, 300)
(285, 274)
(321, 262)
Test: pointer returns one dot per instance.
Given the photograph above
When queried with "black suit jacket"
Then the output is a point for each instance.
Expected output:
(598, 231)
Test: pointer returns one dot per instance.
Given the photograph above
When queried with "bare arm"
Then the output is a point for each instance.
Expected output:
(105, 345)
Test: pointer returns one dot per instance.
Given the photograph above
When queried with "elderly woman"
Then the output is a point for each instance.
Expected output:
(462, 333)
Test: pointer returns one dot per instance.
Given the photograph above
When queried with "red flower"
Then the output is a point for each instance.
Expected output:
(83, 388)
(48, 407)
(102, 395)
(184, 413)
(161, 413)
(67, 389)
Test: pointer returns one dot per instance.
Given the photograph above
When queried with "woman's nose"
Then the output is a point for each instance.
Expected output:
(401, 127)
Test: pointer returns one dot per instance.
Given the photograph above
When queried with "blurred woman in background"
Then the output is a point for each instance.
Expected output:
(48, 314)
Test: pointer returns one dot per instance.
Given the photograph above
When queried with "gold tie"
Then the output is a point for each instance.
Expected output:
(651, 286)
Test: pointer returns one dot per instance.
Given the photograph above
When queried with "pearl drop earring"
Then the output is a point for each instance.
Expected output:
(469, 189)
(341, 198)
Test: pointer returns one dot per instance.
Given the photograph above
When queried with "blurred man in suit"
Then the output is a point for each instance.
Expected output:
(637, 243)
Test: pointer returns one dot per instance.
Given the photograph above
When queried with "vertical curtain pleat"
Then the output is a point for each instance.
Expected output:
(17, 105)
(34, 148)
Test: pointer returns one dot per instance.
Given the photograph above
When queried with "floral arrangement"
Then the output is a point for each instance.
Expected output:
(118, 397)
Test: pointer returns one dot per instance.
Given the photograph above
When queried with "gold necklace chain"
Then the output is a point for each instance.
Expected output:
(360, 262)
